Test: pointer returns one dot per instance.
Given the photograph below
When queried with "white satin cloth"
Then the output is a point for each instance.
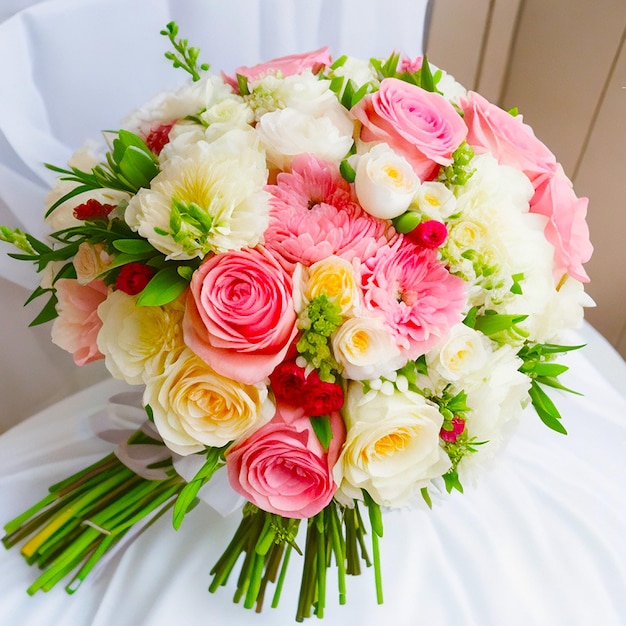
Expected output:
(539, 541)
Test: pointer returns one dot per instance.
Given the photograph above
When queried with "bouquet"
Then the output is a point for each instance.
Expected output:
(338, 282)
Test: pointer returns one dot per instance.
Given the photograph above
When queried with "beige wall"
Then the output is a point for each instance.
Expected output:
(563, 64)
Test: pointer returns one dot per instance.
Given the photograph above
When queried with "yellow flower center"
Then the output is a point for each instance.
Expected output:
(360, 341)
(391, 443)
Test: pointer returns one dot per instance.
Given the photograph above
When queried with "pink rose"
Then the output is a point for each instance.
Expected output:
(566, 229)
(282, 467)
(287, 66)
(421, 126)
(509, 140)
(78, 324)
(240, 317)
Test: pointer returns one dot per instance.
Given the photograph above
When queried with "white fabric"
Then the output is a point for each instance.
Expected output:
(540, 539)
(71, 68)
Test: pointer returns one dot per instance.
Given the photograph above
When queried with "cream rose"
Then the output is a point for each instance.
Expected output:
(90, 261)
(194, 407)
(289, 132)
(385, 182)
(365, 349)
(392, 446)
(139, 342)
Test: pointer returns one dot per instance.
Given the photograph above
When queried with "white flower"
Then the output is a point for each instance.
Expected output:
(462, 351)
(392, 446)
(220, 186)
(359, 71)
(450, 88)
(289, 132)
(497, 239)
(172, 105)
(365, 349)
(435, 201)
(194, 407)
(385, 182)
(496, 395)
(139, 342)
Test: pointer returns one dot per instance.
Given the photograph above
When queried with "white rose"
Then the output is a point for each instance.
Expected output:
(463, 350)
(365, 349)
(289, 132)
(435, 200)
(385, 182)
(194, 407)
(139, 342)
(392, 446)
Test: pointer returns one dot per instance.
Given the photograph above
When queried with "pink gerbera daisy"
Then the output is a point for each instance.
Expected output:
(415, 294)
(313, 216)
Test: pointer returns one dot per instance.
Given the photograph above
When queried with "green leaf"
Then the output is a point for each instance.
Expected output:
(375, 514)
(138, 167)
(68, 196)
(547, 411)
(187, 497)
(242, 81)
(49, 312)
(451, 480)
(426, 496)
(347, 171)
(322, 429)
(165, 286)
(133, 246)
(498, 322)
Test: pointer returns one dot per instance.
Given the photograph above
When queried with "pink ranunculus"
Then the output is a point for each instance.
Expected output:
(240, 317)
(511, 142)
(415, 295)
(567, 228)
(76, 329)
(282, 468)
(421, 126)
(287, 66)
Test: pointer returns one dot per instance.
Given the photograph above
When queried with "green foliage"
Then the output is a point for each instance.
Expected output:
(460, 170)
(186, 499)
(318, 322)
(322, 429)
(130, 165)
(539, 367)
(500, 327)
(184, 56)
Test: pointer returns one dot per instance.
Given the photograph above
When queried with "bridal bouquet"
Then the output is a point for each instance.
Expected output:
(341, 281)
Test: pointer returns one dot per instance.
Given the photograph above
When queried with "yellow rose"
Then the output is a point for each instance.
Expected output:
(332, 277)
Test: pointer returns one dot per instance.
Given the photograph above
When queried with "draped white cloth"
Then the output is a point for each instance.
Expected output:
(539, 541)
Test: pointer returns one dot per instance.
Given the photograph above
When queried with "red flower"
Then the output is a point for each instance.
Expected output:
(458, 426)
(133, 277)
(429, 234)
(288, 382)
(319, 397)
(158, 137)
(93, 210)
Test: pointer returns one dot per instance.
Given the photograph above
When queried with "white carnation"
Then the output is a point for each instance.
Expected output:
(223, 180)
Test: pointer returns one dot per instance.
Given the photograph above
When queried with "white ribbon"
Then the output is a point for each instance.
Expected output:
(122, 416)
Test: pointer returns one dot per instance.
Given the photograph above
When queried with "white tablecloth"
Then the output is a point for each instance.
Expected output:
(538, 541)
